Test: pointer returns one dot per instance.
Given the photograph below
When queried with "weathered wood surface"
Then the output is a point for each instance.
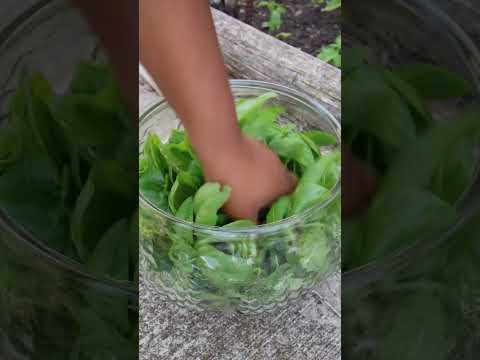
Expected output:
(308, 329)
(252, 54)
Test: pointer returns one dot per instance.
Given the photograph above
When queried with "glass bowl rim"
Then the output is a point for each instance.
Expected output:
(264, 229)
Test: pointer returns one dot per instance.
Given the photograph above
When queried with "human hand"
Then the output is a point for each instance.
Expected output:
(358, 185)
(253, 172)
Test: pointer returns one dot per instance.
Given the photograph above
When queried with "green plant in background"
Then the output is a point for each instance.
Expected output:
(283, 35)
(276, 12)
(330, 5)
(171, 179)
(332, 53)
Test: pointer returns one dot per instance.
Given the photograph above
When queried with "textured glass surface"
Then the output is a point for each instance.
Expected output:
(286, 248)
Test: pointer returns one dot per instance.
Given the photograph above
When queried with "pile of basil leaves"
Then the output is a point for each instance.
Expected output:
(255, 269)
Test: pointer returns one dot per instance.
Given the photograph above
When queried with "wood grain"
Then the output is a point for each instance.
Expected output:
(252, 54)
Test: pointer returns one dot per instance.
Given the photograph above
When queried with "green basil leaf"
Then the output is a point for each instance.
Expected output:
(292, 147)
(279, 210)
(184, 186)
(367, 108)
(405, 215)
(90, 78)
(314, 250)
(152, 187)
(240, 224)
(325, 171)
(307, 195)
(248, 107)
(225, 271)
(262, 126)
(111, 255)
(433, 82)
(207, 201)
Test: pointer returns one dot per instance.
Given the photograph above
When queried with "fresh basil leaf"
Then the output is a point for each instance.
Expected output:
(152, 187)
(182, 254)
(223, 219)
(176, 137)
(314, 250)
(411, 95)
(207, 201)
(367, 108)
(186, 213)
(240, 224)
(262, 126)
(433, 82)
(9, 147)
(321, 138)
(325, 171)
(178, 156)
(94, 127)
(225, 271)
(424, 156)
(90, 78)
(97, 207)
(404, 215)
(153, 156)
(111, 255)
(307, 195)
(184, 186)
(248, 107)
(457, 171)
(279, 210)
(292, 147)
(282, 280)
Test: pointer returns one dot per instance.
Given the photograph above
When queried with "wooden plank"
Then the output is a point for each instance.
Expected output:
(252, 54)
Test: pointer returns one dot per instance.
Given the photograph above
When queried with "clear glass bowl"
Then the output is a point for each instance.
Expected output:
(413, 25)
(395, 305)
(228, 275)
(51, 306)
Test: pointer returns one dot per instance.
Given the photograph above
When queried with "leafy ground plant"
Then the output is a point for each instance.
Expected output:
(276, 13)
(225, 268)
(332, 53)
(330, 5)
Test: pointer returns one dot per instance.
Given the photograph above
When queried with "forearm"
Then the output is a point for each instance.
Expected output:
(116, 27)
(178, 46)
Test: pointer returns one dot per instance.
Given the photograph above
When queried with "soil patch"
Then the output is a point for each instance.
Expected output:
(309, 27)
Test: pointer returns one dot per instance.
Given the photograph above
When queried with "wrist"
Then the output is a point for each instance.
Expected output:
(222, 153)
